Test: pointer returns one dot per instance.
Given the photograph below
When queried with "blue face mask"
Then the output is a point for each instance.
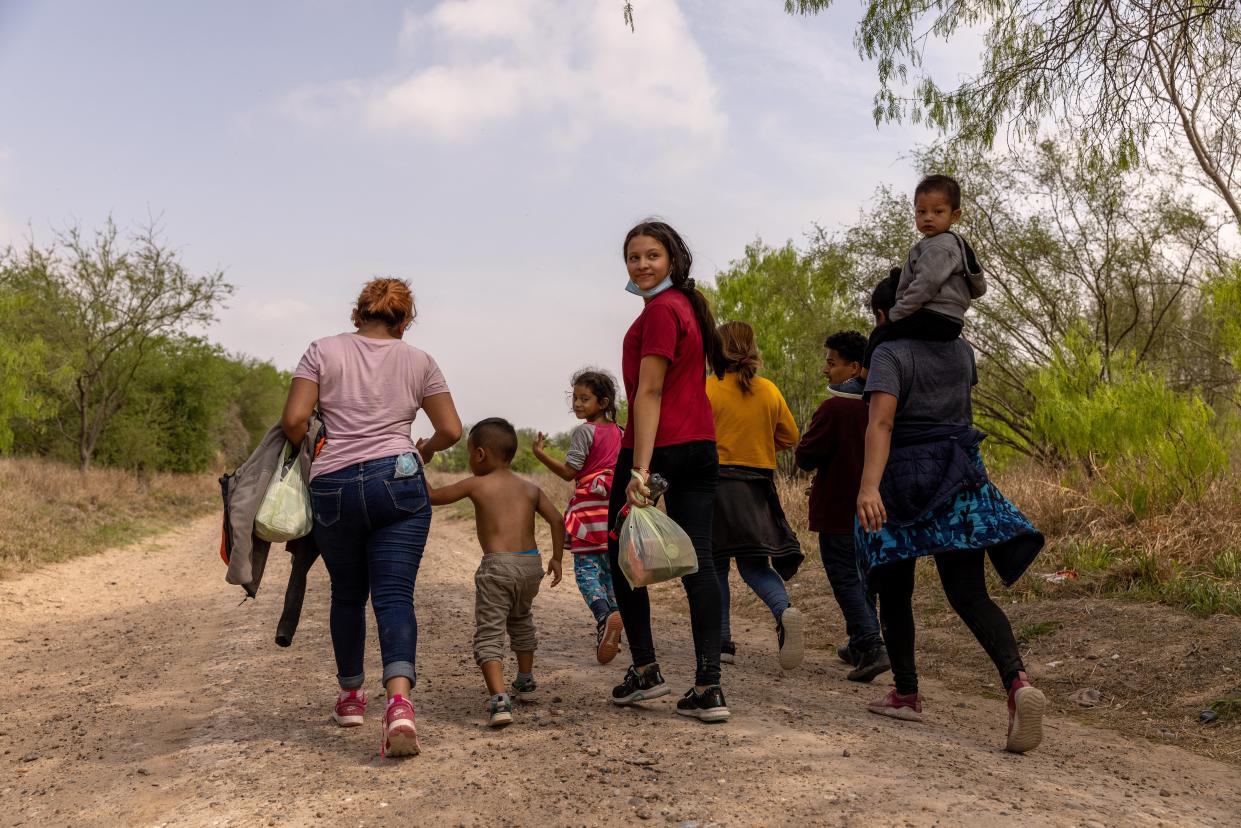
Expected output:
(633, 288)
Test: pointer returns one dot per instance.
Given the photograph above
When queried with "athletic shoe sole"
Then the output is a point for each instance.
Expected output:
(402, 739)
(794, 649)
(710, 715)
(643, 695)
(500, 719)
(347, 721)
(609, 645)
(728, 658)
(1027, 730)
(523, 695)
(905, 714)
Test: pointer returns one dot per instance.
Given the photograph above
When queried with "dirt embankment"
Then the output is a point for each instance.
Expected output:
(140, 692)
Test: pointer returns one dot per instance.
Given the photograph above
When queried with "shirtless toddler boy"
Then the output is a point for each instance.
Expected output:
(508, 576)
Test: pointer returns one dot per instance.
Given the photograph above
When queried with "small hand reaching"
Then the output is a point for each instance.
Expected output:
(540, 443)
(555, 568)
(423, 451)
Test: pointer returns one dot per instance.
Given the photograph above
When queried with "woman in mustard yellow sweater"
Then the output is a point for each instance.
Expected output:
(752, 423)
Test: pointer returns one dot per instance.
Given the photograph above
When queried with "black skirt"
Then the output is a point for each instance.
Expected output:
(749, 521)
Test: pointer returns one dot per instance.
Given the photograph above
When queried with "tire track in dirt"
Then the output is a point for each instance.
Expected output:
(141, 693)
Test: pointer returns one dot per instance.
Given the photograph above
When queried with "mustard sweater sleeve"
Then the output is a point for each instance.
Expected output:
(787, 434)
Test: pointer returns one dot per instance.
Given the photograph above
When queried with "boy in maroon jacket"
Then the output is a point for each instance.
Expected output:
(833, 447)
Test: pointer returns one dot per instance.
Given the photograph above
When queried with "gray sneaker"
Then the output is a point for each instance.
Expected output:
(791, 638)
(872, 663)
(523, 688)
(500, 710)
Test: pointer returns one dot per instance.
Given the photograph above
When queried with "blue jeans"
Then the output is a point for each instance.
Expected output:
(856, 604)
(371, 527)
(760, 577)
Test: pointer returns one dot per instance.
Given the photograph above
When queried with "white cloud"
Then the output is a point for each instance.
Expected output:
(486, 19)
(568, 63)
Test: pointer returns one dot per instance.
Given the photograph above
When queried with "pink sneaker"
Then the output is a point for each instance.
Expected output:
(1026, 704)
(399, 736)
(350, 707)
(907, 708)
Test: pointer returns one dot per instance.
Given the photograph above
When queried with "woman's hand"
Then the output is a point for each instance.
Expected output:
(636, 492)
(870, 511)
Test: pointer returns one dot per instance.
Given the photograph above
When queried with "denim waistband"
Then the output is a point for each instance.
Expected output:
(381, 467)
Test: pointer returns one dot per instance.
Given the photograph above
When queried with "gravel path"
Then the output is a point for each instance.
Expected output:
(139, 692)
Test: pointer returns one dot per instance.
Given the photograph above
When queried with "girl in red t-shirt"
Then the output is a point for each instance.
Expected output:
(671, 431)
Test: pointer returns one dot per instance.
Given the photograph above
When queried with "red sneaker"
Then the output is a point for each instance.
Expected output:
(350, 707)
(1026, 704)
(907, 708)
(399, 736)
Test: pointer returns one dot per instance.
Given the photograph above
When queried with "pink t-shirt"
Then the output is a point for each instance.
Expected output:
(370, 391)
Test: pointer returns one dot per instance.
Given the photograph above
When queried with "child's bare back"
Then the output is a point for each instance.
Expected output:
(504, 510)
(504, 503)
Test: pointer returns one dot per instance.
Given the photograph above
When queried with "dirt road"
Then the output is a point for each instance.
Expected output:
(138, 691)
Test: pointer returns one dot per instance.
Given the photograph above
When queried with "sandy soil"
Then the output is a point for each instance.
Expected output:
(139, 692)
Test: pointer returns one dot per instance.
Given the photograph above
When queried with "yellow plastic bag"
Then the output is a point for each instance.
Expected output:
(654, 548)
(285, 512)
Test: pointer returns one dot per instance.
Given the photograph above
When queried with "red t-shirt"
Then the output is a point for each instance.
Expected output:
(668, 328)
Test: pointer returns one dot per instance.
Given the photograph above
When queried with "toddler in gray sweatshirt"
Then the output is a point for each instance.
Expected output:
(941, 275)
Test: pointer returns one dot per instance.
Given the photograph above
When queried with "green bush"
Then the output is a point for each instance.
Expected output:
(1135, 441)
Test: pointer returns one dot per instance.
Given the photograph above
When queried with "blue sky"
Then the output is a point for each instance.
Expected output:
(493, 152)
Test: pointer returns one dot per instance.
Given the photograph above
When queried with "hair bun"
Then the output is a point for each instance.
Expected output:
(386, 300)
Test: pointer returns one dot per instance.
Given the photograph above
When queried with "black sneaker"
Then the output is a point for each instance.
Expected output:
(846, 654)
(873, 662)
(790, 636)
(640, 686)
(707, 706)
(728, 653)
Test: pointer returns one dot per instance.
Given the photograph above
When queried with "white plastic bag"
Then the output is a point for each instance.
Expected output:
(654, 548)
(285, 513)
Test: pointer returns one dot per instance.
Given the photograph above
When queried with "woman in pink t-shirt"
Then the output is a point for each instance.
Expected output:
(370, 501)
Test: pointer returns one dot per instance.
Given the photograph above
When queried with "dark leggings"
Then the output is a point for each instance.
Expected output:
(965, 585)
(923, 324)
(692, 470)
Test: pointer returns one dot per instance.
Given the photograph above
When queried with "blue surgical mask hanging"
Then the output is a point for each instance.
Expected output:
(633, 288)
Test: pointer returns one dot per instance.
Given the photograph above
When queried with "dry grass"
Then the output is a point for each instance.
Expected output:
(1188, 557)
(51, 511)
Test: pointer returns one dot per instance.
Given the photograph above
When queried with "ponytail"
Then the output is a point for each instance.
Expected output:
(680, 261)
(741, 352)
